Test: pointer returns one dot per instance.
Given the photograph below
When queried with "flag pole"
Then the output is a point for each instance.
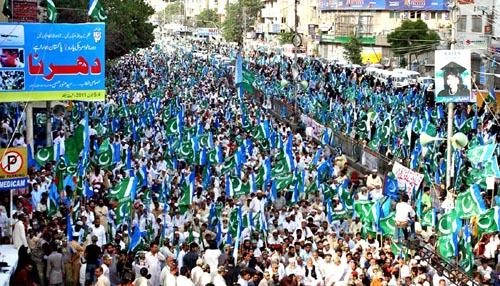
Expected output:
(449, 164)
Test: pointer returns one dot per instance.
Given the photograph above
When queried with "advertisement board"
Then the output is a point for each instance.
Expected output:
(452, 75)
(42, 62)
(390, 5)
(13, 168)
(24, 11)
(472, 41)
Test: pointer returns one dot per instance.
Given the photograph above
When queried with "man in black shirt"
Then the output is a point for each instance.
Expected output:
(92, 253)
(189, 260)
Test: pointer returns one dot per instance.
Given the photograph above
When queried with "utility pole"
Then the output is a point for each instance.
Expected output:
(490, 80)
(48, 124)
(29, 126)
(449, 164)
(296, 74)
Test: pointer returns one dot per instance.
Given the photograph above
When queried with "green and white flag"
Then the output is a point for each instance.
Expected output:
(388, 225)
(172, 125)
(465, 248)
(470, 202)
(489, 221)
(44, 155)
(186, 199)
(449, 223)
(7, 11)
(124, 193)
(73, 145)
(368, 211)
(481, 153)
(187, 151)
(283, 181)
(96, 11)
(447, 246)
(51, 11)
(237, 187)
(429, 218)
(104, 156)
(228, 165)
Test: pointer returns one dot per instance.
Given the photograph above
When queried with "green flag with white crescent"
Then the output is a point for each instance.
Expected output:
(104, 156)
(470, 202)
(51, 11)
(237, 187)
(44, 155)
(449, 223)
(187, 151)
(122, 193)
(186, 199)
(228, 165)
(489, 221)
(172, 126)
(447, 246)
(96, 11)
(283, 181)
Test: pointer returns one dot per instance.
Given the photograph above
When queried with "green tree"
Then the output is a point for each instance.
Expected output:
(127, 26)
(285, 38)
(239, 17)
(412, 37)
(207, 18)
(173, 11)
(352, 50)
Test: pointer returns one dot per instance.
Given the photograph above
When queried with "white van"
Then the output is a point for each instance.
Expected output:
(411, 75)
(399, 80)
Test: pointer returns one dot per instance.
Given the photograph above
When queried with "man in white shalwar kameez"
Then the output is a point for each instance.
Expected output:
(153, 258)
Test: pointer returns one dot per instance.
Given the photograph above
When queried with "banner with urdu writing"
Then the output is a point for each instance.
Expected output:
(43, 62)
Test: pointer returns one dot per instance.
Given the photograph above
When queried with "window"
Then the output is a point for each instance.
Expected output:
(433, 15)
(462, 24)
(283, 20)
(477, 24)
(391, 14)
(412, 14)
(418, 14)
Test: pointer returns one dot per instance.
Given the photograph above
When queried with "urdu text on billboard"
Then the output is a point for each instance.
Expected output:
(43, 62)
(391, 5)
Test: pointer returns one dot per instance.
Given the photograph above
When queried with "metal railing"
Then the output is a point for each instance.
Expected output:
(355, 150)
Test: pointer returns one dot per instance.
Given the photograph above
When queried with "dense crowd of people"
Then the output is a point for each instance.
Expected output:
(182, 180)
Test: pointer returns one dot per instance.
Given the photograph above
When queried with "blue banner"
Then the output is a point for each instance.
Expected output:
(42, 61)
(387, 5)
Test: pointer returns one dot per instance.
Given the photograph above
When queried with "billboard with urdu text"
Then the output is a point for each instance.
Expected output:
(387, 5)
(42, 61)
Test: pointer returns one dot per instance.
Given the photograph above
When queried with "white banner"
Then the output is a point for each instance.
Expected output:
(314, 127)
(407, 179)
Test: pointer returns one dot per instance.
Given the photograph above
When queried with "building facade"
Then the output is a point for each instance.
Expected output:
(478, 29)
(372, 21)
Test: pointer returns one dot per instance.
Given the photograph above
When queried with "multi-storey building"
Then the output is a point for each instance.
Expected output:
(372, 21)
(478, 29)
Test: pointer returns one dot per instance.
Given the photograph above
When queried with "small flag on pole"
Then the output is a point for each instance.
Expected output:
(51, 11)
(96, 11)
(6, 9)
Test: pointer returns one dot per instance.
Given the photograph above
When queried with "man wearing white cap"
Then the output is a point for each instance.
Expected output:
(197, 271)
(218, 279)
